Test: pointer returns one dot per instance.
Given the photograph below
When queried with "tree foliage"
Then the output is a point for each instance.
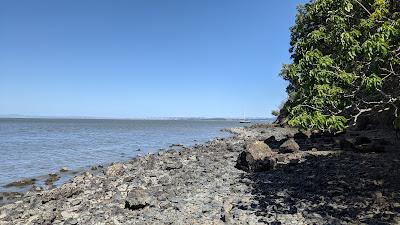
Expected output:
(345, 62)
(275, 112)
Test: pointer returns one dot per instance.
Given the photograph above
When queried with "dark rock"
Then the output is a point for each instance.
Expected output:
(382, 141)
(138, 199)
(273, 142)
(257, 157)
(300, 135)
(289, 146)
(379, 148)
(315, 134)
(337, 142)
(354, 134)
(129, 179)
(369, 148)
(362, 140)
(281, 119)
(363, 123)
(64, 169)
(176, 145)
(370, 127)
(362, 144)
(21, 183)
(331, 134)
(293, 162)
(51, 179)
(347, 144)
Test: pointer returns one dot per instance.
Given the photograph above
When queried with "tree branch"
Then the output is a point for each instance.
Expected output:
(363, 7)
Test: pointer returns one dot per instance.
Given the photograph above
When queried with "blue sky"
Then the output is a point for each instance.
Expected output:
(143, 58)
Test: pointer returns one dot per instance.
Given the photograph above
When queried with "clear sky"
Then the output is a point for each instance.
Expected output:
(143, 58)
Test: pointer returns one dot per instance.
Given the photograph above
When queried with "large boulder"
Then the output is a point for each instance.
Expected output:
(137, 199)
(289, 146)
(273, 142)
(257, 157)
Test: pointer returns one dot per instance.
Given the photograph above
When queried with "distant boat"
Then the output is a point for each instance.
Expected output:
(244, 119)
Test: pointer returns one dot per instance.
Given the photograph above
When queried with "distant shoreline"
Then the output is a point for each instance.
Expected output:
(150, 118)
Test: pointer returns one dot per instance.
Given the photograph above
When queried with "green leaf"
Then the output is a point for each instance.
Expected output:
(349, 7)
(373, 82)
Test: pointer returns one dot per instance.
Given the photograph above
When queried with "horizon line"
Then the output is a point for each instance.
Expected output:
(17, 116)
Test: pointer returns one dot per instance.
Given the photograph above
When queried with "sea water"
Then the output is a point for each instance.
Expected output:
(35, 147)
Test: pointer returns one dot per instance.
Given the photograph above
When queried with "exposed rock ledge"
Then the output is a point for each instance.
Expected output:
(201, 185)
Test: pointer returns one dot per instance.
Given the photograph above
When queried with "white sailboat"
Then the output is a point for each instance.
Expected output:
(244, 119)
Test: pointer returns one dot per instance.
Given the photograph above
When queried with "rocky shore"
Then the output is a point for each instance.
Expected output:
(261, 175)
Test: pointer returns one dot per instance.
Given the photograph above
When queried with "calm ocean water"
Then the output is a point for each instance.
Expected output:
(35, 147)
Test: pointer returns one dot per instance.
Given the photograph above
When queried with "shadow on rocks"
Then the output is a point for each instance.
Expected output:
(335, 189)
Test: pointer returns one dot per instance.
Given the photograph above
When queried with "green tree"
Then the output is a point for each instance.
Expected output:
(345, 62)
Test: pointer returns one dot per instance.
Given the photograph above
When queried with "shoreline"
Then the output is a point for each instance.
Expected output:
(201, 185)
(39, 152)
(16, 189)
